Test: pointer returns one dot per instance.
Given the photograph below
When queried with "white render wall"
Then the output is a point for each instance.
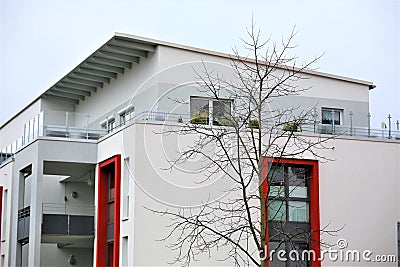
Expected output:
(6, 177)
(359, 192)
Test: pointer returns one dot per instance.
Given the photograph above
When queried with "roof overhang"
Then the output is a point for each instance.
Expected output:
(106, 63)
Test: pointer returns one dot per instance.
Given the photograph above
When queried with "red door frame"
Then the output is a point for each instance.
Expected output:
(314, 200)
(101, 231)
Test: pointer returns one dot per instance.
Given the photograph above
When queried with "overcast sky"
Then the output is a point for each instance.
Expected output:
(41, 41)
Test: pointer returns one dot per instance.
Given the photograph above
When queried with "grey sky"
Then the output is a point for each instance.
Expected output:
(43, 40)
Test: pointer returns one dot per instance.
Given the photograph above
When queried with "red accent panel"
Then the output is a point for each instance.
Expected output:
(101, 231)
(314, 200)
(117, 210)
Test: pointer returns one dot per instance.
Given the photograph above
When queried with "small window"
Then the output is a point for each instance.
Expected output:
(111, 125)
(108, 124)
(126, 114)
(122, 118)
(222, 112)
(206, 111)
(199, 110)
(330, 115)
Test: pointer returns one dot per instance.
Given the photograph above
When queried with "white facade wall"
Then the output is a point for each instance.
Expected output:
(6, 176)
(359, 194)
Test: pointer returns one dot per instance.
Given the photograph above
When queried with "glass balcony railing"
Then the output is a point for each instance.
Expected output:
(80, 126)
(54, 124)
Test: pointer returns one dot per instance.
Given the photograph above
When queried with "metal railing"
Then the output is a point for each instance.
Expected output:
(78, 126)
(53, 124)
(68, 209)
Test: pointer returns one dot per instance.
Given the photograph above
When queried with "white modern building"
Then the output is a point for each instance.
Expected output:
(82, 163)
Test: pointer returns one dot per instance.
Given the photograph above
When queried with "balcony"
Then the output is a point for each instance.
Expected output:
(67, 224)
(316, 127)
(80, 126)
(23, 225)
(54, 124)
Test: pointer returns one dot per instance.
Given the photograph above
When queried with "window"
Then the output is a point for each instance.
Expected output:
(289, 193)
(111, 125)
(330, 115)
(206, 111)
(108, 124)
(122, 118)
(292, 200)
(125, 114)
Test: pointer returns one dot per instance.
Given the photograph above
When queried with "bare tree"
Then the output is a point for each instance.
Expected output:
(244, 130)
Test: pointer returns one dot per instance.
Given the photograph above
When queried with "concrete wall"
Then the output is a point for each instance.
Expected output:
(53, 256)
(359, 192)
(6, 176)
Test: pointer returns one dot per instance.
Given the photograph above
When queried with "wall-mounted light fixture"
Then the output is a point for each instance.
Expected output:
(71, 260)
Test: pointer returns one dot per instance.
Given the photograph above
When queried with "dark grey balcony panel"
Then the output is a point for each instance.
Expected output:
(81, 225)
(55, 224)
(23, 229)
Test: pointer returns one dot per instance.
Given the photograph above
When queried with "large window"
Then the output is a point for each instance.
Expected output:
(289, 193)
(210, 111)
(330, 115)
(292, 209)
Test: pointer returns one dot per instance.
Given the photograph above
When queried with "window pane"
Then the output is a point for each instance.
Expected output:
(298, 191)
(298, 181)
(327, 116)
(275, 174)
(110, 212)
(123, 118)
(298, 211)
(337, 117)
(199, 109)
(222, 112)
(277, 210)
(276, 191)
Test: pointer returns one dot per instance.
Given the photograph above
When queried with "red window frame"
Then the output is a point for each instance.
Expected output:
(102, 204)
(314, 200)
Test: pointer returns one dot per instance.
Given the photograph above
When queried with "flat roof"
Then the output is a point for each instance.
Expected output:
(122, 51)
